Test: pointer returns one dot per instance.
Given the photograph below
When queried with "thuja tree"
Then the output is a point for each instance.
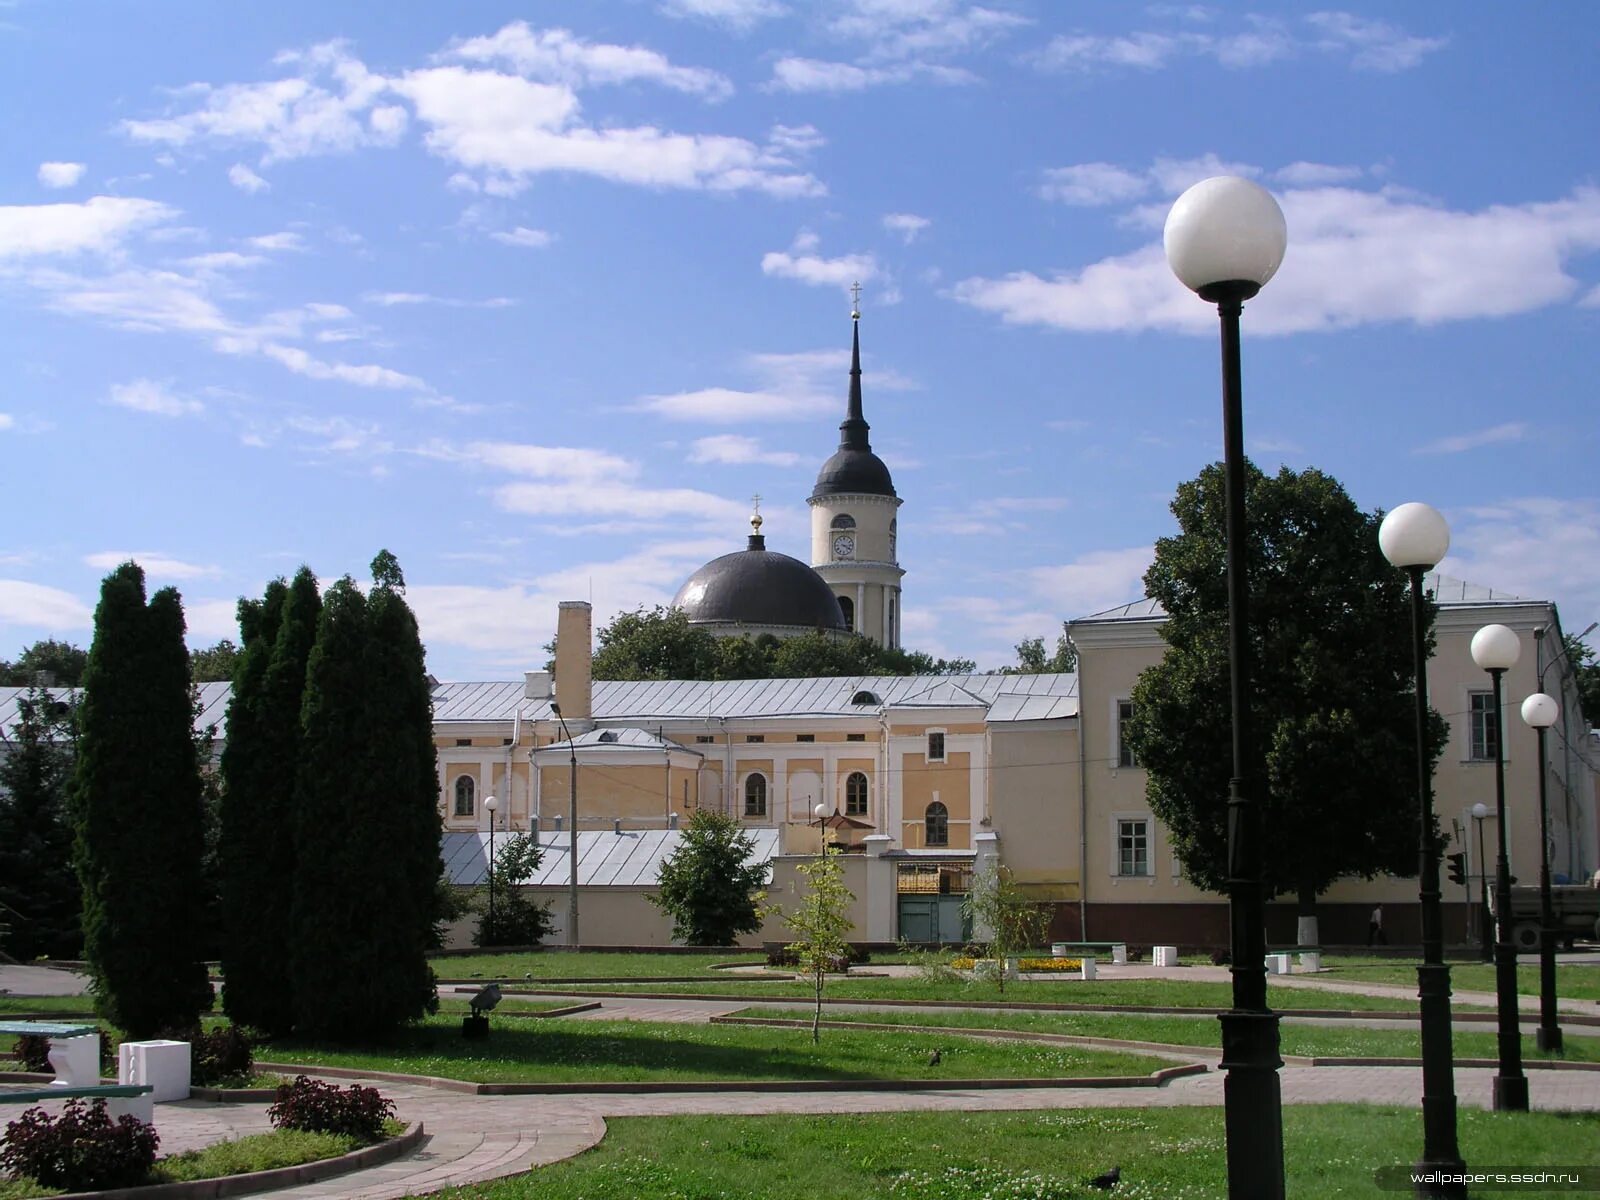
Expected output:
(37, 884)
(366, 819)
(1003, 915)
(709, 886)
(1331, 697)
(259, 766)
(137, 812)
(820, 924)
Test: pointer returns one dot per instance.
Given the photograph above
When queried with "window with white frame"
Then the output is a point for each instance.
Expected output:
(1133, 846)
(936, 825)
(855, 795)
(465, 790)
(1483, 726)
(936, 745)
(1125, 756)
(755, 796)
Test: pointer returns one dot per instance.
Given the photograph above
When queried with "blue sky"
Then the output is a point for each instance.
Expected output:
(537, 297)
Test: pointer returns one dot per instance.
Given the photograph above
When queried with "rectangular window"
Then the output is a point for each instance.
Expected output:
(703, 738)
(805, 737)
(936, 746)
(1133, 847)
(1124, 751)
(1484, 728)
(463, 741)
(755, 737)
(855, 737)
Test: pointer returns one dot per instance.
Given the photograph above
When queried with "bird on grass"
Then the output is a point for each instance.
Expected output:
(1107, 1181)
(935, 1058)
(485, 999)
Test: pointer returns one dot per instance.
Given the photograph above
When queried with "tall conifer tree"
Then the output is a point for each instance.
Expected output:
(137, 810)
(38, 890)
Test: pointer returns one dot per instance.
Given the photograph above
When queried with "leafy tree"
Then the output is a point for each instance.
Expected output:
(661, 644)
(137, 810)
(1331, 699)
(37, 884)
(364, 898)
(214, 664)
(517, 921)
(1032, 660)
(708, 886)
(1587, 670)
(821, 922)
(61, 663)
(1014, 923)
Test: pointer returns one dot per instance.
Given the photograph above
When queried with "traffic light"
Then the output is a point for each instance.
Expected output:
(1458, 866)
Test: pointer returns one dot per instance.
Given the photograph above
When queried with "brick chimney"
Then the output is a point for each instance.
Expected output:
(574, 660)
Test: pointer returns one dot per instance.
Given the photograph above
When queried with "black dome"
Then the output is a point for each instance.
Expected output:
(858, 472)
(759, 587)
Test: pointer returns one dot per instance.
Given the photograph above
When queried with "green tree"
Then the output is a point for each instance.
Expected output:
(1587, 671)
(1032, 660)
(659, 644)
(1331, 698)
(37, 883)
(214, 664)
(59, 663)
(709, 886)
(517, 920)
(996, 905)
(136, 798)
(367, 824)
(821, 922)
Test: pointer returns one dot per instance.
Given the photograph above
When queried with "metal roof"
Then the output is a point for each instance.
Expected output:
(213, 705)
(631, 858)
(627, 738)
(496, 701)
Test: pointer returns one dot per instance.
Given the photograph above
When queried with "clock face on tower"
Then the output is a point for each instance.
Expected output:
(844, 546)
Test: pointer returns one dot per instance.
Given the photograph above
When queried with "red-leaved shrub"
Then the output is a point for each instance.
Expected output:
(81, 1150)
(317, 1107)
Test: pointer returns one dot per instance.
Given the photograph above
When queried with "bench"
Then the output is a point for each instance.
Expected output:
(74, 1049)
(1118, 951)
(132, 1099)
(1310, 956)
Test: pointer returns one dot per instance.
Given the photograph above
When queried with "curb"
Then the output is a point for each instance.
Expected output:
(263, 1181)
(1528, 1064)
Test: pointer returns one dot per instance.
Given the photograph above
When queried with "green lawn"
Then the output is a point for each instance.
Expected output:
(559, 964)
(634, 1051)
(1307, 1041)
(76, 1005)
(1574, 981)
(1172, 1154)
(1173, 993)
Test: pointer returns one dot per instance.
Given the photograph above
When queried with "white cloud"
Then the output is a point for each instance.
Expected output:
(552, 462)
(99, 224)
(738, 15)
(556, 56)
(210, 620)
(916, 29)
(1093, 582)
(286, 240)
(533, 239)
(302, 363)
(1355, 257)
(908, 225)
(1513, 431)
(35, 606)
(246, 180)
(1539, 547)
(7, 421)
(816, 75)
(799, 264)
(147, 396)
(1093, 184)
(795, 386)
(614, 500)
(394, 299)
(1310, 174)
(728, 405)
(221, 260)
(1374, 45)
(734, 449)
(1083, 52)
(61, 174)
(154, 562)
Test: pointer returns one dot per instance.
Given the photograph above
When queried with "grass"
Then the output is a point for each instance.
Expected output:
(1173, 993)
(1177, 1154)
(1307, 1041)
(257, 1152)
(637, 1051)
(559, 964)
(1574, 981)
(74, 1005)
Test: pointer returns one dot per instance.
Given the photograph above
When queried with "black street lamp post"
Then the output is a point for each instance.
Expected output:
(1541, 711)
(1480, 813)
(1496, 649)
(1415, 537)
(489, 806)
(1225, 237)
(572, 834)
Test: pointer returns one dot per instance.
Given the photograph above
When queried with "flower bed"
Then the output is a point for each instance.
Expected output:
(1025, 964)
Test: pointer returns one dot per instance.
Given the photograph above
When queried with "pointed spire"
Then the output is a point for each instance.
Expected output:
(757, 542)
(853, 431)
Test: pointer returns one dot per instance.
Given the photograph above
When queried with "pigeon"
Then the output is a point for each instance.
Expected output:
(1107, 1181)
(528, 976)
(485, 999)
(935, 1058)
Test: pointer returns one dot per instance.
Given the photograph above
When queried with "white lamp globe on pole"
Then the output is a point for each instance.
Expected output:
(1414, 535)
(1225, 230)
(1496, 648)
(1540, 712)
(489, 806)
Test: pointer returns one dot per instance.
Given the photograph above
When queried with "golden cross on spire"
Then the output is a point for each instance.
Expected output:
(755, 512)
(855, 301)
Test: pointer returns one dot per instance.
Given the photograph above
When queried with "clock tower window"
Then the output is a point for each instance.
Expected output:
(849, 607)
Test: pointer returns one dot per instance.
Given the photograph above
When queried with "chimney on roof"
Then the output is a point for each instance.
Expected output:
(574, 664)
(536, 685)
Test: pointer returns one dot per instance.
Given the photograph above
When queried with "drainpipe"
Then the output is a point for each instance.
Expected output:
(1083, 823)
(511, 759)
(666, 790)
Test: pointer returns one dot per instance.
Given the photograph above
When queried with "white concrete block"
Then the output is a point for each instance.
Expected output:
(1119, 953)
(163, 1065)
(139, 1107)
(1278, 964)
(76, 1060)
(1088, 968)
(1164, 956)
(1311, 960)
(1060, 950)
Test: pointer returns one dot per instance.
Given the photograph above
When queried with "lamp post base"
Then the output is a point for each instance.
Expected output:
(1547, 1039)
(1252, 1104)
(1441, 1179)
(1510, 1093)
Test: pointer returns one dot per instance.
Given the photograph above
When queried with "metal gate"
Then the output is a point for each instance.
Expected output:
(930, 896)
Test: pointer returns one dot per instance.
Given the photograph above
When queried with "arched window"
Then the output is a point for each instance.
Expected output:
(894, 530)
(755, 796)
(855, 795)
(843, 521)
(848, 607)
(936, 821)
(464, 795)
